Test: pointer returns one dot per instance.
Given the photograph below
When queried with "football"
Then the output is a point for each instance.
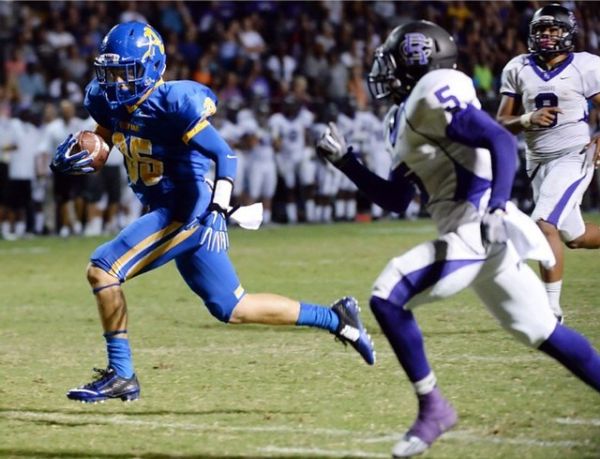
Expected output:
(92, 142)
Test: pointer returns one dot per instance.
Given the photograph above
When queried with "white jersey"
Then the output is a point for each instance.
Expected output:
(370, 136)
(9, 138)
(230, 132)
(292, 132)
(454, 178)
(57, 130)
(457, 180)
(347, 127)
(568, 86)
(22, 160)
(264, 150)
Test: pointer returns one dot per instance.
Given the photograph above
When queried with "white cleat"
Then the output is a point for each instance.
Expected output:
(409, 446)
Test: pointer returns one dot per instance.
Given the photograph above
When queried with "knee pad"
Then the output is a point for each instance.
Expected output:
(532, 333)
(220, 313)
(221, 308)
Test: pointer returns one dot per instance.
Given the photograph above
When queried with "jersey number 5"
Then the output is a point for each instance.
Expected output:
(140, 164)
(449, 102)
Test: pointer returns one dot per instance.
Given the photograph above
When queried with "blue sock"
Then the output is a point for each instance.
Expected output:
(314, 315)
(574, 352)
(403, 333)
(119, 355)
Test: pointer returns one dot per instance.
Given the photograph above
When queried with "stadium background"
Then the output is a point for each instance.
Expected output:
(214, 391)
(248, 53)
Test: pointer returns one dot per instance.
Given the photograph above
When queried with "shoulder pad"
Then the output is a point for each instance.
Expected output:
(587, 59)
(516, 63)
(179, 94)
(446, 89)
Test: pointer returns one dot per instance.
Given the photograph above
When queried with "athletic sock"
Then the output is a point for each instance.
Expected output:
(291, 212)
(553, 291)
(119, 354)
(403, 333)
(340, 209)
(266, 216)
(327, 213)
(315, 315)
(351, 209)
(309, 206)
(574, 352)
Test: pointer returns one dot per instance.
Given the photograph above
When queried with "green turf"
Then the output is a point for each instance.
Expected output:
(218, 391)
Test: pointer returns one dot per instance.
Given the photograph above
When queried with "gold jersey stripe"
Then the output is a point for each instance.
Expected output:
(161, 250)
(133, 108)
(195, 130)
(128, 256)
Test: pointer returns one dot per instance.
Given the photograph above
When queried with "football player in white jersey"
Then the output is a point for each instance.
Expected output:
(345, 203)
(257, 144)
(370, 137)
(293, 157)
(545, 94)
(465, 163)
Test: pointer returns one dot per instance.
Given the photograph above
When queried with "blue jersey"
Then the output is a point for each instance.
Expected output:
(159, 139)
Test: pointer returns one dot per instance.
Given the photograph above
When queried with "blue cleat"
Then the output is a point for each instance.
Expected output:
(107, 385)
(351, 329)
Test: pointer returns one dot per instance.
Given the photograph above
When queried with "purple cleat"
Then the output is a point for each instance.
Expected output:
(436, 416)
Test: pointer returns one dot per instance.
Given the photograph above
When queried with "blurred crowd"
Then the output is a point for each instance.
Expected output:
(280, 70)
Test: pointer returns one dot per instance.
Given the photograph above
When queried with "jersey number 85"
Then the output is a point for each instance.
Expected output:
(140, 165)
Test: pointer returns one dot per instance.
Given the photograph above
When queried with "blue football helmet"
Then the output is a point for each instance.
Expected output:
(130, 61)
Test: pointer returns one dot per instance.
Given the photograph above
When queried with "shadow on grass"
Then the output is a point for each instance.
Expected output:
(128, 412)
(31, 453)
(462, 332)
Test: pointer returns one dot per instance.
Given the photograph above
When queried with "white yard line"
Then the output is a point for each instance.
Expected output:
(122, 420)
(474, 437)
(578, 422)
(468, 436)
(320, 452)
(471, 436)
(34, 250)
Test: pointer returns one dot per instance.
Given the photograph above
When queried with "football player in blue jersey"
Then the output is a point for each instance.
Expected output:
(164, 132)
(464, 163)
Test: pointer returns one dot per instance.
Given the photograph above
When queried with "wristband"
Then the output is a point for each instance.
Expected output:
(526, 120)
(222, 193)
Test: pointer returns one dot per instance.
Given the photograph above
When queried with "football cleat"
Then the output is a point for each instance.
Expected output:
(436, 416)
(351, 330)
(107, 385)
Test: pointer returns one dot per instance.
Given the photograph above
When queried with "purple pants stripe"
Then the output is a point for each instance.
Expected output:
(562, 203)
(417, 281)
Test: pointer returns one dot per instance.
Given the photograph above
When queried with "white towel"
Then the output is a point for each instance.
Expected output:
(527, 238)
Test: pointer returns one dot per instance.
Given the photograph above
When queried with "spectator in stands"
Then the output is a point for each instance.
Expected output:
(67, 188)
(209, 39)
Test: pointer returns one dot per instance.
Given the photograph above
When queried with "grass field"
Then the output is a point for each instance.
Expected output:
(211, 390)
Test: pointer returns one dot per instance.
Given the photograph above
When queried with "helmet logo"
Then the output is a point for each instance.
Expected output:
(416, 48)
(108, 58)
(153, 41)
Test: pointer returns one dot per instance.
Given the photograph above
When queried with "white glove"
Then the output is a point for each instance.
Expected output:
(493, 228)
(332, 145)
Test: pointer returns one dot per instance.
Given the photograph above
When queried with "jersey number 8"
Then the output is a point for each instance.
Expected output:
(547, 99)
